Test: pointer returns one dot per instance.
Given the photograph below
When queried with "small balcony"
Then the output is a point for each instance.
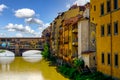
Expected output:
(60, 42)
(75, 42)
(75, 30)
(66, 40)
(66, 28)
(60, 31)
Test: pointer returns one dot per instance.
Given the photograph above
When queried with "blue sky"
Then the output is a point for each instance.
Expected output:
(27, 18)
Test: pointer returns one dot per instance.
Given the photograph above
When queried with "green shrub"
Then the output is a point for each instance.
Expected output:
(45, 53)
(73, 74)
(79, 63)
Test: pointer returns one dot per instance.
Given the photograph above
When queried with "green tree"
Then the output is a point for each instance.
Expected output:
(45, 53)
(79, 64)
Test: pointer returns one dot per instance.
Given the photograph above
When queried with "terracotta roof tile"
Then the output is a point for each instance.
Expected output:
(73, 20)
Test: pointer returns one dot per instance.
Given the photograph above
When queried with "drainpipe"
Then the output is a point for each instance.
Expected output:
(111, 36)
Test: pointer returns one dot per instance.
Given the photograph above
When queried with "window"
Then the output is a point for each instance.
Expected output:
(102, 30)
(108, 29)
(102, 9)
(102, 58)
(94, 58)
(108, 58)
(115, 4)
(108, 6)
(116, 59)
(3, 40)
(115, 28)
(94, 8)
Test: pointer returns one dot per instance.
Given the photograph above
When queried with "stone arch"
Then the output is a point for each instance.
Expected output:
(8, 53)
(32, 55)
(30, 52)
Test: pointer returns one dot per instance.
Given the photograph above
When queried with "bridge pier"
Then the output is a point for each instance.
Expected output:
(17, 53)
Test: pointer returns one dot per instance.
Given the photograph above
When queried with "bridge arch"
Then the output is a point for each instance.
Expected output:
(7, 53)
(32, 55)
(31, 52)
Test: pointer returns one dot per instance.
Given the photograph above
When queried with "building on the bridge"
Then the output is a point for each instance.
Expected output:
(18, 45)
(105, 15)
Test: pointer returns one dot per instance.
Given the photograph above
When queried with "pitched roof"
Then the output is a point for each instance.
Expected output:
(73, 20)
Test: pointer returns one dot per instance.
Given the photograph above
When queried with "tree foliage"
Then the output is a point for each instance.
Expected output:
(79, 63)
(46, 53)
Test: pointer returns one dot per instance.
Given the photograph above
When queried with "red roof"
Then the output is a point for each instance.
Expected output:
(73, 20)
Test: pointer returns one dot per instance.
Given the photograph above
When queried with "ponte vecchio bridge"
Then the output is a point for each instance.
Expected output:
(20, 45)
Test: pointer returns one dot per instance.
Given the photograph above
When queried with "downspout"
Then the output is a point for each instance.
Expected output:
(111, 35)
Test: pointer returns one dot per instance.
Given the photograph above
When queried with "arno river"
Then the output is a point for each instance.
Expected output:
(27, 68)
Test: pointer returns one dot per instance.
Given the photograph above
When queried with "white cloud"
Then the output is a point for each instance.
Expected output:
(78, 2)
(24, 13)
(30, 18)
(33, 21)
(47, 24)
(2, 34)
(41, 24)
(68, 6)
(19, 35)
(20, 28)
(44, 26)
(24, 30)
(81, 2)
(2, 7)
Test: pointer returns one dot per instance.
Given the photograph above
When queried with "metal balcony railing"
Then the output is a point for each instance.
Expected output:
(75, 30)
(66, 40)
(75, 42)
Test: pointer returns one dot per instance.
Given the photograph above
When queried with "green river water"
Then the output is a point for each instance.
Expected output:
(21, 69)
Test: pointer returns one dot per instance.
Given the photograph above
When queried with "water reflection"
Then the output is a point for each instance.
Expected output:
(22, 76)
(5, 63)
(21, 68)
(6, 60)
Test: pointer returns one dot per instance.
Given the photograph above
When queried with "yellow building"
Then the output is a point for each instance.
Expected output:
(61, 32)
(55, 25)
(68, 37)
(105, 14)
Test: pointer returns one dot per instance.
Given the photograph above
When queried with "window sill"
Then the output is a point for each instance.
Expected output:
(110, 12)
(109, 35)
(115, 34)
(116, 66)
(102, 36)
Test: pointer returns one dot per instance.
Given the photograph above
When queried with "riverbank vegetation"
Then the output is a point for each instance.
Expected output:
(75, 71)
(73, 74)
(45, 53)
(2, 51)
